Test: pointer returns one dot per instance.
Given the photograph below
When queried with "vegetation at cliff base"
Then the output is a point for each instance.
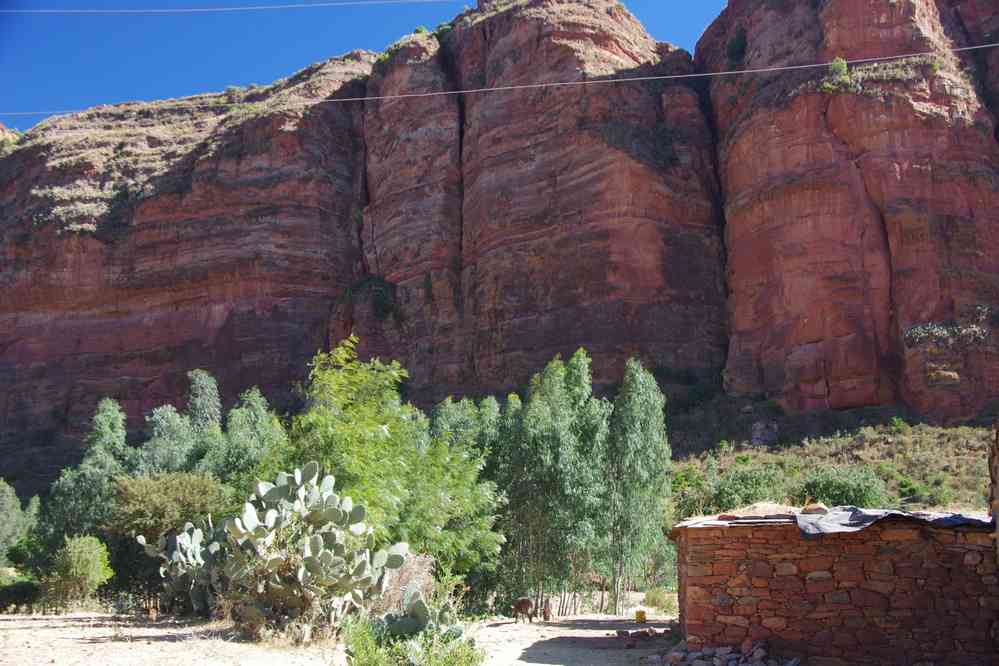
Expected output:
(291, 526)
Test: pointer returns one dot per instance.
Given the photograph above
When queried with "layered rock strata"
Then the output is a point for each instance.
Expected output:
(860, 206)
(475, 236)
(141, 241)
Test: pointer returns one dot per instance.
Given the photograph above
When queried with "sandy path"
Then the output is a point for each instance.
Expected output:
(103, 640)
(577, 641)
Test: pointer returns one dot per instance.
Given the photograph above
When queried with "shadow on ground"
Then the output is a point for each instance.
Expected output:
(597, 650)
(127, 624)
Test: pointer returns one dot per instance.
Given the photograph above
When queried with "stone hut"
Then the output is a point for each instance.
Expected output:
(994, 487)
(843, 587)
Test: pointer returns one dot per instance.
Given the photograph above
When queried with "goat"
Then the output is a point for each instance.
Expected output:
(525, 607)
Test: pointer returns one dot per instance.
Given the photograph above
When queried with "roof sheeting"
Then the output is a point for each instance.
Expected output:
(838, 520)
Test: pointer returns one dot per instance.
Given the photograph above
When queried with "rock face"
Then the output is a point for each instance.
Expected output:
(475, 236)
(860, 208)
(517, 225)
(141, 241)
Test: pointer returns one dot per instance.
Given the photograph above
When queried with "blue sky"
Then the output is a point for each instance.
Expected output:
(70, 61)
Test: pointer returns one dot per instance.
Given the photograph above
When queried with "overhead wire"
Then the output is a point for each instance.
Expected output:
(221, 9)
(542, 85)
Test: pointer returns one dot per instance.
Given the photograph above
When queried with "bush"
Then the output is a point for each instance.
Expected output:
(80, 567)
(19, 593)
(151, 505)
(839, 68)
(743, 485)
(661, 600)
(856, 485)
(15, 523)
(737, 46)
(367, 645)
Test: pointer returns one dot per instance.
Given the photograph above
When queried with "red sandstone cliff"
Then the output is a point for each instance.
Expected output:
(475, 236)
(860, 210)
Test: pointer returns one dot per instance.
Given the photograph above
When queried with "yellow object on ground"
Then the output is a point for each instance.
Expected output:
(640, 617)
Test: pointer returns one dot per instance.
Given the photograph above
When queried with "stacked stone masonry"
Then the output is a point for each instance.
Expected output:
(896, 593)
(994, 487)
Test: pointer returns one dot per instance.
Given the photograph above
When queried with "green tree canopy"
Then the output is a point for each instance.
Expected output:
(417, 487)
(637, 467)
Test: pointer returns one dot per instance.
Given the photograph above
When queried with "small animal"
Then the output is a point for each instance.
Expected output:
(525, 607)
(547, 612)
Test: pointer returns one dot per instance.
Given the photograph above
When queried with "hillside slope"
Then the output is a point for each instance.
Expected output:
(822, 241)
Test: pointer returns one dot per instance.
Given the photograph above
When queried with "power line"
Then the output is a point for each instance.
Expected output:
(536, 86)
(210, 10)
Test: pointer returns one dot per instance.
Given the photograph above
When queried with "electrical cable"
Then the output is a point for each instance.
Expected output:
(210, 10)
(536, 86)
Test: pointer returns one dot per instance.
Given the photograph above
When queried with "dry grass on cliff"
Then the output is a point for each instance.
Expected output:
(923, 466)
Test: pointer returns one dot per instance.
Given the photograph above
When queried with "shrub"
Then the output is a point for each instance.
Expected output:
(8, 143)
(15, 523)
(368, 645)
(737, 46)
(151, 505)
(660, 599)
(29, 555)
(899, 426)
(19, 593)
(743, 485)
(839, 68)
(856, 485)
(80, 567)
(421, 30)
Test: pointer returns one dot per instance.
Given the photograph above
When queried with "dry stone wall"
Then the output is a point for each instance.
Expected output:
(994, 487)
(895, 593)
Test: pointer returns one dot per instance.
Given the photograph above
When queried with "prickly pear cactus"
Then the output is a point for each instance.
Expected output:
(302, 555)
(418, 617)
(191, 564)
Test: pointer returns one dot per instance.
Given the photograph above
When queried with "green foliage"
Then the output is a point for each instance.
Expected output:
(418, 617)
(81, 500)
(368, 645)
(171, 441)
(855, 485)
(839, 68)
(747, 484)
(637, 464)
(15, 522)
(192, 564)
(19, 593)
(899, 426)
(252, 447)
(151, 505)
(418, 488)
(302, 555)
(737, 46)
(163, 482)
(9, 142)
(29, 555)
(922, 466)
(79, 568)
(204, 407)
(662, 600)
(421, 30)
(707, 490)
(547, 458)
(381, 293)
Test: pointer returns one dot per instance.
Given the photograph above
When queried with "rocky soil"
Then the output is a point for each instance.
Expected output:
(821, 241)
(80, 639)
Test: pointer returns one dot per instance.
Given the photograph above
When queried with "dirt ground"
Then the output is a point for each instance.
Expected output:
(577, 641)
(104, 640)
